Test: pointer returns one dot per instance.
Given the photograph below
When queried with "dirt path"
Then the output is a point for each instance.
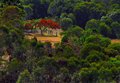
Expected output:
(53, 40)
(115, 41)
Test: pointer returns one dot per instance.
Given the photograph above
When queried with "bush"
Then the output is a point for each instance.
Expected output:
(93, 39)
(115, 46)
(105, 42)
(116, 28)
(77, 31)
(93, 58)
(67, 52)
(24, 77)
(66, 23)
(65, 39)
(104, 29)
(89, 75)
(111, 52)
(92, 24)
(105, 74)
(89, 47)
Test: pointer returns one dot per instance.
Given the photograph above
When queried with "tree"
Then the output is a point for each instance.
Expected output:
(67, 52)
(105, 74)
(77, 31)
(113, 16)
(115, 46)
(56, 8)
(66, 23)
(11, 2)
(92, 24)
(11, 13)
(50, 66)
(96, 56)
(104, 29)
(24, 77)
(93, 58)
(88, 75)
(105, 3)
(86, 11)
(63, 77)
(37, 7)
(93, 39)
(89, 47)
(42, 24)
(105, 42)
(115, 26)
(14, 67)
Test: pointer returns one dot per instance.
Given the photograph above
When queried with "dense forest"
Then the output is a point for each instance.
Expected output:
(85, 53)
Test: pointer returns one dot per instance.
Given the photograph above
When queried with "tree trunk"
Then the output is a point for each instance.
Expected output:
(41, 32)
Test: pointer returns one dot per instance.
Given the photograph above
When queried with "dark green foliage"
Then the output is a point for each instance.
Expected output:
(115, 26)
(24, 77)
(92, 24)
(15, 66)
(105, 74)
(93, 39)
(73, 64)
(65, 38)
(77, 31)
(83, 55)
(67, 52)
(88, 47)
(56, 8)
(66, 23)
(115, 46)
(88, 75)
(93, 58)
(105, 42)
(86, 11)
(104, 29)
(111, 52)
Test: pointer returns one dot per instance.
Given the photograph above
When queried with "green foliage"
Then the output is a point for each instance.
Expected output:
(65, 38)
(82, 56)
(115, 46)
(77, 31)
(86, 11)
(73, 64)
(88, 75)
(93, 39)
(115, 26)
(67, 52)
(66, 23)
(105, 74)
(89, 47)
(11, 13)
(24, 77)
(111, 52)
(105, 42)
(104, 29)
(15, 66)
(92, 24)
(96, 56)
(93, 58)
(56, 8)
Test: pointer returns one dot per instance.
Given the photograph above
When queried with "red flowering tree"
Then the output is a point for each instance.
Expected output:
(43, 23)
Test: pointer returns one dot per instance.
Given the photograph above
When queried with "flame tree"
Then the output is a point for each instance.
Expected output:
(42, 23)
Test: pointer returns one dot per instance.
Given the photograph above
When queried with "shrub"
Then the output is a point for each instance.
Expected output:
(105, 42)
(89, 47)
(111, 52)
(93, 58)
(93, 39)
(115, 46)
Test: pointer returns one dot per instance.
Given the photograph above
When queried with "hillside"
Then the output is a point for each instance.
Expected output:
(59, 41)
